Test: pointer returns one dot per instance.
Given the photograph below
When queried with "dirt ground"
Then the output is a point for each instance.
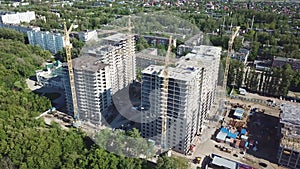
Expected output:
(262, 127)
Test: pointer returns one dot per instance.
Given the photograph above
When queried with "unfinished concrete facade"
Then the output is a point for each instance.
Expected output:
(208, 58)
(118, 51)
(190, 93)
(92, 83)
(289, 149)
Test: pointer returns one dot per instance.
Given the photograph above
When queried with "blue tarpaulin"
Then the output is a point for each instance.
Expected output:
(224, 130)
(232, 135)
(243, 131)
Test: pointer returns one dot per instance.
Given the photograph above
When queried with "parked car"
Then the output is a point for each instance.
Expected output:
(263, 164)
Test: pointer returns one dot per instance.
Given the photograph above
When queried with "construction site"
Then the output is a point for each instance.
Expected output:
(101, 92)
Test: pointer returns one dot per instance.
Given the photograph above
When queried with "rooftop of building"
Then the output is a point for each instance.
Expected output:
(188, 66)
(87, 31)
(116, 37)
(103, 45)
(88, 63)
(200, 56)
(290, 119)
(290, 114)
(286, 59)
(184, 74)
(97, 51)
(281, 61)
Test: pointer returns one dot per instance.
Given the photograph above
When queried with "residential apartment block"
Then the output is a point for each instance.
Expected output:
(53, 42)
(118, 52)
(191, 85)
(17, 18)
(93, 89)
(22, 29)
(103, 69)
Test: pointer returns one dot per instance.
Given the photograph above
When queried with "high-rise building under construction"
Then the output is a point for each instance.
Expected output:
(118, 52)
(190, 93)
(92, 83)
(103, 69)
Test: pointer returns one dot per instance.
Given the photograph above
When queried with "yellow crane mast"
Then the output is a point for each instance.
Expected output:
(68, 47)
(227, 62)
(165, 96)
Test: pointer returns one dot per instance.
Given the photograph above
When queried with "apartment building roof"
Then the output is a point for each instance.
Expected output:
(104, 45)
(96, 50)
(116, 37)
(290, 114)
(179, 73)
(88, 63)
(205, 52)
(188, 66)
(280, 62)
(201, 56)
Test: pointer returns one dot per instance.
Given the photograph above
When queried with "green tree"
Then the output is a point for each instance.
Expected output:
(12, 35)
(237, 43)
(166, 162)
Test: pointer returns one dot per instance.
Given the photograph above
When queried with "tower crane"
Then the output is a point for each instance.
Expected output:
(165, 96)
(227, 62)
(68, 47)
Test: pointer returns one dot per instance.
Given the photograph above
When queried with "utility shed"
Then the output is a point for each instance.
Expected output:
(222, 162)
(243, 131)
(221, 136)
(239, 112)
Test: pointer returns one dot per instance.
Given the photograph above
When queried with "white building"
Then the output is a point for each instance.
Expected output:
(88, 35)
(17, 18)
(191, 86)
(53, 42)
(93, 89)
(50, 77)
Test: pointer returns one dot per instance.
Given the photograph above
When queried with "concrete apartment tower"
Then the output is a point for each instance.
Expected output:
(103, 69)
(190, 94)
(92, 83)
(208, 58)
(117, 51)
